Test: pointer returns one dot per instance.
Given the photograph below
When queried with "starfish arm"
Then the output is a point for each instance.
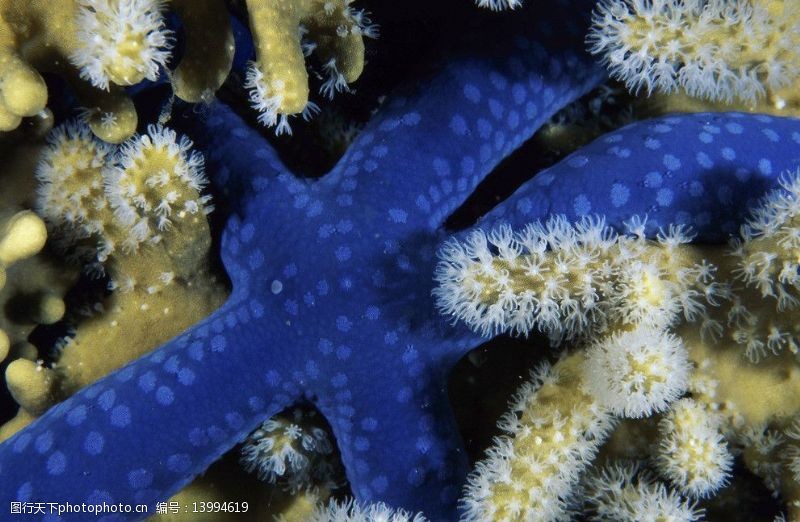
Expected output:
(427, 151)
(701, 170)
(399, 441)
(241, 164)
(143, 432)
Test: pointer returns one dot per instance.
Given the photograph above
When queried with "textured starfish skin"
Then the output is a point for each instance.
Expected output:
(332, 280)
(704, 170)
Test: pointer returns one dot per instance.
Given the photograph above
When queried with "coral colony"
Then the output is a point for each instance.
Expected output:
(194, 325)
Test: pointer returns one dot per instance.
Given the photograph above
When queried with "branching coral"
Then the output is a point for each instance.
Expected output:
(144, 198)
(568, 281)
(147, 192)
(23, 235)
(712, 49)
(113, 43)
(285, 32)
(121, 42)
(34, 286)
(552, 433)
(559, 421)
(43, 36)
(642, 370)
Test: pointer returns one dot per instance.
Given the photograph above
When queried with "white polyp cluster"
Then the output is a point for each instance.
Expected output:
(775, 273)
(267, 95)
(692, 453)
(498, 5)
(155, 181)
(544, 278)
(293, 452)
(571, 280)
(530, 472)
(767, 265)
(360, 23)
(637, 373)
(122, 41)
(354, 21)
(266, 98)
(101, 200)
(714, 49)
(70, 194)
(621, 492)
(352, 511)
(335, 81)
(655, 287)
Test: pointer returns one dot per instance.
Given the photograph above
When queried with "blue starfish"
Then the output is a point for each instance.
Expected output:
(332, 281)
(703, 170)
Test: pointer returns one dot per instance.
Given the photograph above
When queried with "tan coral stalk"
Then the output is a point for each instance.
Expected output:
(551, 434)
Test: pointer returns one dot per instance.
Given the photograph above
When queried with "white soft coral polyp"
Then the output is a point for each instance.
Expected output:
(123, 41)
(635, 374)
